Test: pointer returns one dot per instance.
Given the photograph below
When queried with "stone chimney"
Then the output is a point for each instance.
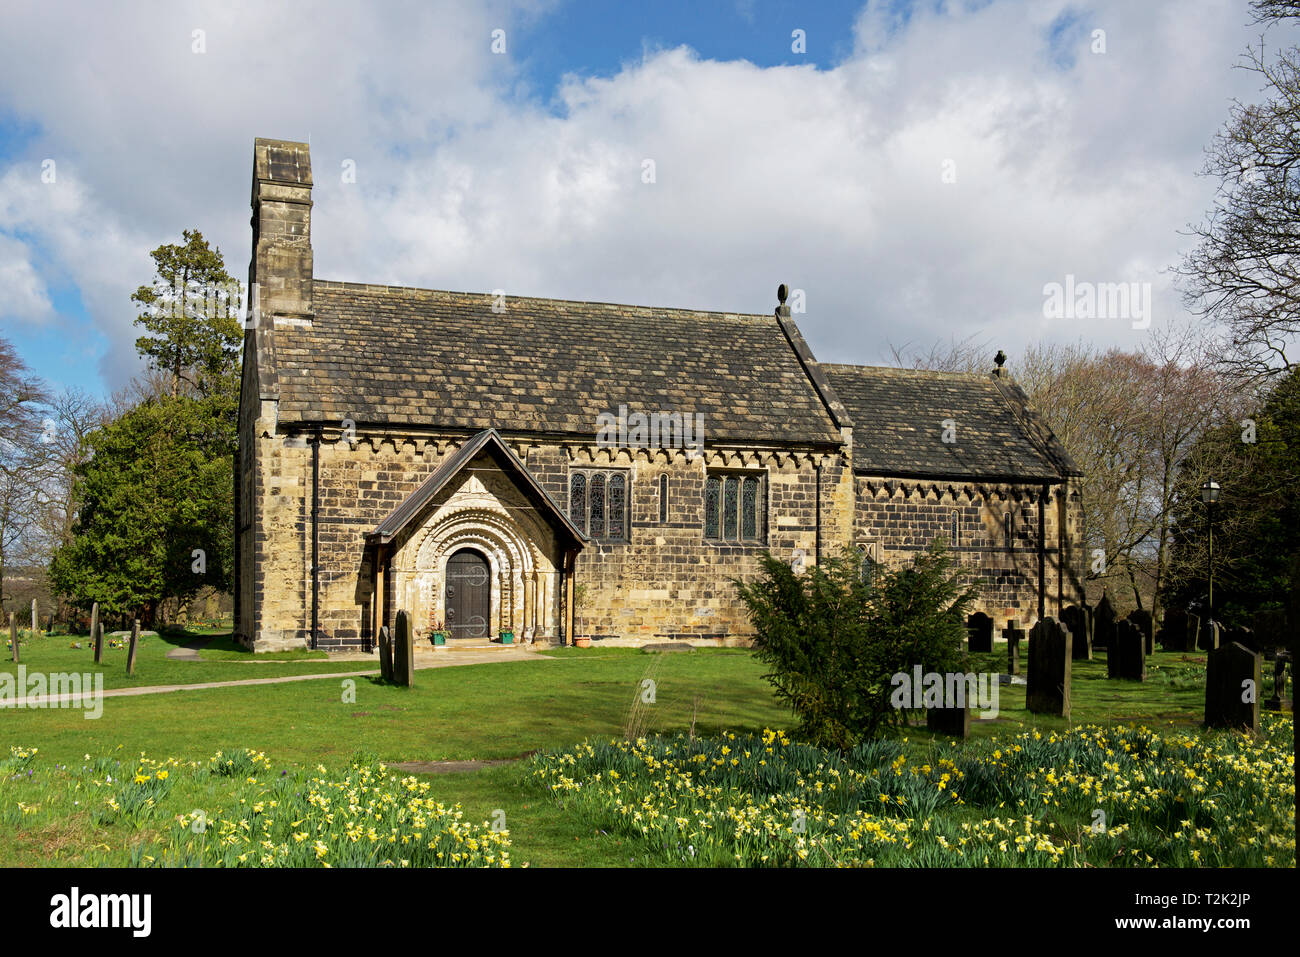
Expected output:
(281, 267)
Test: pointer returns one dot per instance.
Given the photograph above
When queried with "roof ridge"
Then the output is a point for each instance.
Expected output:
(900, 370)
(423, 292)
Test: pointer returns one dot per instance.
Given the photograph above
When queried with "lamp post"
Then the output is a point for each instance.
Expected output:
(1210, 495)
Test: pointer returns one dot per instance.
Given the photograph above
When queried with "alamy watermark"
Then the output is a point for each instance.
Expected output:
(933, 690)
(58, 689)
(1098, 300)
(658, 430)
(206, 300)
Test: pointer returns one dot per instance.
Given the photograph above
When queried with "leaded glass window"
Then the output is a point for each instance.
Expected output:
(599, 503)
(733, 507)
(596, 507)
(712, 506)
(956, 528)
(663, 498)
(578, 500)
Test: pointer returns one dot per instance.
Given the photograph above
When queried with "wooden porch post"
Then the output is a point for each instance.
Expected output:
(570, 561)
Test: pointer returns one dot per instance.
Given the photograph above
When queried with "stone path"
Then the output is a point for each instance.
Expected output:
(449, 767)
(432, 659)
(189, 652)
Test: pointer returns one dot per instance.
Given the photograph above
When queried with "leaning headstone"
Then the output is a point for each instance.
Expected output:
(1126, 657)
(35, 621)
(1233, 677)
(1013, 634)
(98, 639)
(404, 651)
(1076, 619)
(1146, 624)
(13, 635)
(1193, 637)
(94, 625)
(950, 719)
(1209, 637)
(1279, 700)
(130, 651)
(1103, 625)
(385, 654)
(979, 629)
(1048, 686)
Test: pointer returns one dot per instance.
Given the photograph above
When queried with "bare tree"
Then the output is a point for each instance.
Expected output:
(21, 398)
(1245, 270)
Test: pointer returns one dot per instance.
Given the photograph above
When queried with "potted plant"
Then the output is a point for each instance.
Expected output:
(438, 636)
(507, 637)
(579, 599)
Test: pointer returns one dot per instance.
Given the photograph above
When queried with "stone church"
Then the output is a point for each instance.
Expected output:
(558, 470)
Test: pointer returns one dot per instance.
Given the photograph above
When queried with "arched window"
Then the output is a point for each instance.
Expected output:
(596, 505)
(663, 498)
(867, 570)
(955, 534)
(712, 507)
(617, 506)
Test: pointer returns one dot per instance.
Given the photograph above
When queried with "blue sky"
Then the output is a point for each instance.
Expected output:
(523, 171)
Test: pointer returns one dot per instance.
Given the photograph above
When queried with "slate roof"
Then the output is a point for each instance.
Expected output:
(392, 355)
(488, 440)
(898, 415)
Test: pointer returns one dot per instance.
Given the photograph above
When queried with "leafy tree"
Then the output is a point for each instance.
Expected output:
(150, 495)
(833, 642)
(160, 483)
(1257, 518)
(189, 313)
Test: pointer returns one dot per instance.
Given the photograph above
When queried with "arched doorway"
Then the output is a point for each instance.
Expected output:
(469, 595)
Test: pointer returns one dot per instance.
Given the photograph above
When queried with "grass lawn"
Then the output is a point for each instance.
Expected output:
(501, 710)
(226, 661)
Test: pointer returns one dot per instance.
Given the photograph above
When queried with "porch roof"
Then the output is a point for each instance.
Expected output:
(490, 441)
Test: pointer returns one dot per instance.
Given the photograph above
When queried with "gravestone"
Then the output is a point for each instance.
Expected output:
(1233, 676)
(13, 635)
(1103, 625)
(1146, 624)
(1270, 629)
(1048, 687)
(385, 654)
(1076, 619)
(1193, 632)
(1209, 636)
(94, 631)
(949, 720)
(404, 651)
(1279, 700)
(1013, 634)
(1173, 630)
(98, 639)
(979, 630)
(130, 651)
(35, 622)
(1126, 657)
(1242, 635)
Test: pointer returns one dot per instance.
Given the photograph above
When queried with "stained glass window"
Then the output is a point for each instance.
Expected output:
(578, 500)
(596, 508)
(712, 494)
(617, 509)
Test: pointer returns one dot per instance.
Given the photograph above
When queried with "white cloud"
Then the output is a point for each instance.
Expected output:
(827, 179)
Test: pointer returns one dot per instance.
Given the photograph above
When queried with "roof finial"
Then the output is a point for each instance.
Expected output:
(998, 359)
(782, 294)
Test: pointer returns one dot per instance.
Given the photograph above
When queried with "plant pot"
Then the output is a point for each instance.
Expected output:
(507, 637)
(582, 641)
(439, 638)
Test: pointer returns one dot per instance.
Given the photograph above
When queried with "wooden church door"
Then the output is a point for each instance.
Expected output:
(469, 595)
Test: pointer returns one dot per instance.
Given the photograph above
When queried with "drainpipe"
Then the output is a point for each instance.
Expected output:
(1042, 554)
(817, 531)
(315, 536)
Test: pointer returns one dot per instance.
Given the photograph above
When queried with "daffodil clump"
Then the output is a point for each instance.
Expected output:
(235, 810)
(1091, 796)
